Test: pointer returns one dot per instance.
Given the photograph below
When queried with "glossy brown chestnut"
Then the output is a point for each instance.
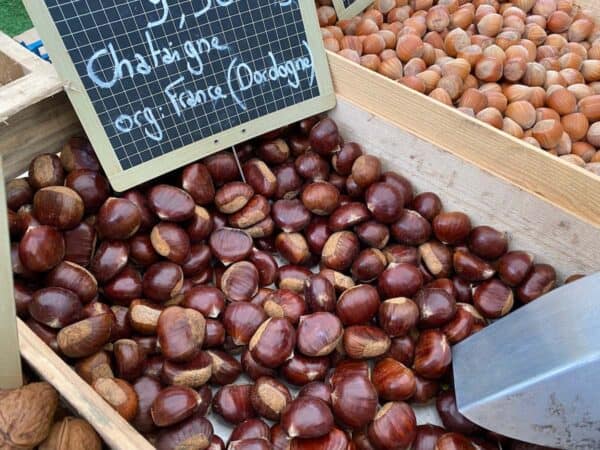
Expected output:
(148, 218)
(196, 181)
(373, 234)
(241, 320)
(18, 193)
(366, 170)
(471, 267)
(121, 328)
(460, 326)
(393, 381)
(437, 258)
(225, 368)
(256, 210)
(216, 443)
(233, 403)
(427, 436)
(118, 218)
(399, 280)
(124, 287)
(385, 202)
(71, 276)
(58, 206)
(540, 280)
(354, 401)
(343, 160)
(321, 198)
(180, 333)
(401, 254)
(46, 334)
(162, 281)
(239, 282)
(193, 373)
(250, 429)
(514, 266)
(222, 167)
(454, 441)
(451, 227)
(273, 342)
(493, 299)
(86, 337)
(427, 204)
(174, 404)
(411, 229)
(365, 341)
(290, 215)
(487, 242)
(369, 264)
(402, 349)
(147, 389)
(80, 243)
(215, 334)
(348, 368)
(311, 166)
(324, 137)
(230, 245)
(269, 397)
(95, 366)
(394, 427)
(23, 295)
(452, 419)
(357, 305)
(317, 389)
(260, 177)
(340, 250)
(129, 359)
(119, 394)
(41, 248)
(284, 303)
(432, 354)
(307, 417)
(436, 307)
(208, 300)
(348, 215)
(92, 187)
(273, 152)
(171, 203)
(233, 196)
(253, 369)
(301, 370)
(200, 225)
(318, 334)
(293, 247)
(196, 429)
(46, 170)
(397, 316)
(171, 241)
(143, 316)
(77, 154)
(319, 294)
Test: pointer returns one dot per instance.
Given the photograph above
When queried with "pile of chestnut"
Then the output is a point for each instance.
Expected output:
(156, 295)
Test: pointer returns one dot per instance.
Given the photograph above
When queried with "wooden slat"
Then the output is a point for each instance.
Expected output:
(553, 235)
(115, 431)
(10, 361)
(592, 5)
(566, 186)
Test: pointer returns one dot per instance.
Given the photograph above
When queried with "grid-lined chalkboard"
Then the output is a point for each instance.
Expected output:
(164, 74)
(350, 8)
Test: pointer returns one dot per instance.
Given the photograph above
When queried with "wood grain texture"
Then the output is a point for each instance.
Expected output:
(10, 360)
(592, 5)
(553, 235)
(566, 186)
(115, 431)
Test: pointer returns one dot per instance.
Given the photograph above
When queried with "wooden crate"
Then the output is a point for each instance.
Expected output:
(562, 184)
(35, 113)
(553, 234)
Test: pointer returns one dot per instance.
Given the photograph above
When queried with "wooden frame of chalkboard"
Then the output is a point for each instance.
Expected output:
(123, 173)
(347, 9)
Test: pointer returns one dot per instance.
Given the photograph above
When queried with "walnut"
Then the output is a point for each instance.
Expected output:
(72, 433)
(26, 415)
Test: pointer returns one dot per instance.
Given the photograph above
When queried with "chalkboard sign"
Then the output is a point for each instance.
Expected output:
(347, 9)
(159, 83)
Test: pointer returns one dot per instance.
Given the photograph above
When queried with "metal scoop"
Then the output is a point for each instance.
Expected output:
(535, 375)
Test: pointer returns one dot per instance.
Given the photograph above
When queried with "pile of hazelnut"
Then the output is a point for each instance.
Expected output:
(157, 295)
(32, 417)
(528, 67)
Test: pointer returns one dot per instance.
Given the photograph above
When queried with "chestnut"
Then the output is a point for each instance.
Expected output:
(250, 444)
(471, 267)
(215, 334)
(279, 438)
(118, 218)
(348, 215)
(193, 373)
(427, 204)
(284, 303)
(216, 443)
(241, 320)
(400, 183)
(86, 337)
(319, 294)
(262, 231)
(399, 280)
(162, 281)
(452, 419)
(143, 316)
(394, 427)
(288, 181)
(292, 247)
(230, 245)
(253, 369)
(514, 266)
(426, 390)
(397, 316)
(223, 167)
(78, 154)
(437, 258)
(411, 228)
(233, 196)
(540, 280)
(46, 170)
(343, 160)
(58, 206)
(233, 403)
(373, 234)
(402, 349)
(311, 166)
(335, 439)
(260, 177)
(171, 203)
(354, 400)
(240, 281)
(451, 227)
(273, 342)
(208, 300)
(357, 305)
(200, 225)
(121, 328)
(339, 281)
(23, 295)
(432, 354)
(340, 250)
(318, 334)
(462, 290)
(324, 137)
(461, 326)
(348, 367)
(454, 441)
(399, 254)
(307, 417)
(92, 187)
(365, 341)
(46, 334)
(71, 276)
(256, 210)
(41, 248)
(493, 299)
(225, 368)
(274, 151)
(369, 264)
(366, 170)
(18, 193)
(487, 242)
(317, 389)
(290, 215)
(196, 181)
(393, 381)
(80, 243)
(180, 333)
(436, 307)
(427, 436)
(385, 202)
(300, 370)
(250, 429)
(321, 198)
(124, 287)
(95, 366)
(269, 397)
(147, 389)
(119, 394)
(129, 359)
(171, 241)
(174, 404)
(148, 218)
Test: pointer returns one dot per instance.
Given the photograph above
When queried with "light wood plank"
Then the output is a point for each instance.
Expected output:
(554, 236)
(115, 431)
(568, 187)
(10, 360)
(592, 5)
